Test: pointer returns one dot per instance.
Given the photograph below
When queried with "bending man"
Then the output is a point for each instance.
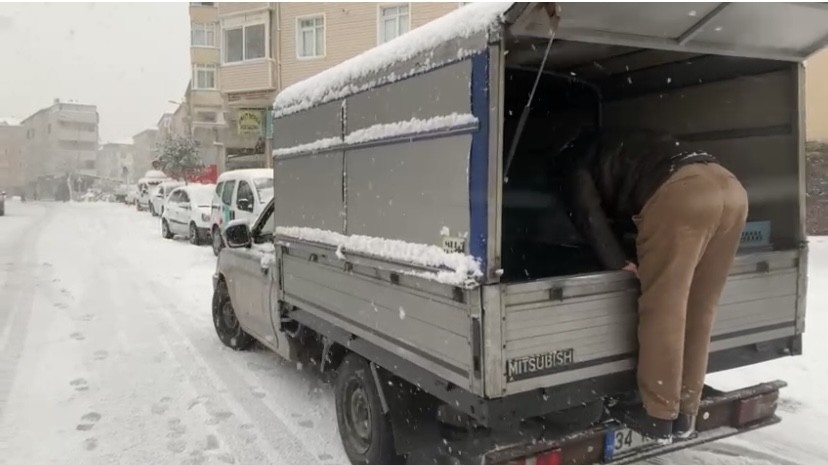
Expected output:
(690, 212)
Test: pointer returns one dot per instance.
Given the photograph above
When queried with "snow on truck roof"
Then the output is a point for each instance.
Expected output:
(334, 82)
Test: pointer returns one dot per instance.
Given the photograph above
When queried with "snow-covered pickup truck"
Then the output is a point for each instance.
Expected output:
(414, 247)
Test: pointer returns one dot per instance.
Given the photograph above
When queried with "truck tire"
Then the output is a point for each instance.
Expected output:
(227, 326)
(165, 230)
(218, 242)
(364, 429)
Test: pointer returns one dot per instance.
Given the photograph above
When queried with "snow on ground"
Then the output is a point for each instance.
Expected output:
(108, 355)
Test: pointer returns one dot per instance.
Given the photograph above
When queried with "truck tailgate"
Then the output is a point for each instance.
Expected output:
(562, 330)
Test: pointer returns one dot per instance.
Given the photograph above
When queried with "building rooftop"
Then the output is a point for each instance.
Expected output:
(9, 121)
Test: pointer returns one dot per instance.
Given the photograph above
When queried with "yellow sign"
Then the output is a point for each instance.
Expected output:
(251, 122)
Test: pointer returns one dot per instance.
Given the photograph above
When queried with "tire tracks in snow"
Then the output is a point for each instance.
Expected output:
(16, 302)
(218, 374)
(17, 298)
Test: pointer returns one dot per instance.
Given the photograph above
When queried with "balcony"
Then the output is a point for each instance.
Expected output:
(70, 116)
(247, 76)
(227, 8)
(205, 55)
(67, 134)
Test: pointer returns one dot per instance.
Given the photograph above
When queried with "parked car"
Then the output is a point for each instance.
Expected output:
(187, 213)
(239, 194)
(159, 196)
(131, 194)
(146, 186)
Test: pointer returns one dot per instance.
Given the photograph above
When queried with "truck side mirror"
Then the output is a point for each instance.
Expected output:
(237, 234)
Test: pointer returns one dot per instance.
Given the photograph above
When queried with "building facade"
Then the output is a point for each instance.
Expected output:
(315, 36)
(816, 96)
(264, 47)
(115, 161)
(144, 151)
(61, 141)
(12, 168)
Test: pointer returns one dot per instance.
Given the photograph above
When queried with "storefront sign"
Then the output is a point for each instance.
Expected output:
(251, 123)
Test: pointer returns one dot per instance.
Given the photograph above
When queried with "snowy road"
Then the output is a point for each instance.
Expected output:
(108, 355)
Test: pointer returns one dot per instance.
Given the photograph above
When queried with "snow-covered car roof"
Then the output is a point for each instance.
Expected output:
(155, 174)
(250, 173)
(200, 194)
(337, 81)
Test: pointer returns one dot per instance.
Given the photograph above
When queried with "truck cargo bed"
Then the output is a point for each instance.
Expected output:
(510, 345)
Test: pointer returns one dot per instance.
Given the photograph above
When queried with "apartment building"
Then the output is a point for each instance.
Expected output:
(144, 151)
(12, 140)
(264, 47)
(61, 140)
(316, 36)
(115, 161)
(816, 96)
(204, 100)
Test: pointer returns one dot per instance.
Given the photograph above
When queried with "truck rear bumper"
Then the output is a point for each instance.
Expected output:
(722, 414)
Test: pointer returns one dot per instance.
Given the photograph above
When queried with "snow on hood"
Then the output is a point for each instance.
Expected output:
(453, 268)
(334, 82)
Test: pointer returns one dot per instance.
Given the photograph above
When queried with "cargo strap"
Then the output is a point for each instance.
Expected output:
(525, 113)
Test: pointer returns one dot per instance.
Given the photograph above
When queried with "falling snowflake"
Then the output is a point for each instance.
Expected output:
(402, 313)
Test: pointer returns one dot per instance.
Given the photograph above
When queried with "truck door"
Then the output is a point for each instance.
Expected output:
(254, 272)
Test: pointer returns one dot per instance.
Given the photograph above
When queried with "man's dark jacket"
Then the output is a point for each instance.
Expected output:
(609, 176)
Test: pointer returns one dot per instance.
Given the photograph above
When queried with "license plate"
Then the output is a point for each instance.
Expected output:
(622, 442)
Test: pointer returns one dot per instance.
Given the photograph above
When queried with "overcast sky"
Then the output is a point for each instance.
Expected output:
(129, 59)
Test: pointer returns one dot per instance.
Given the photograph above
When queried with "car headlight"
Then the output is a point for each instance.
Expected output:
(205, 217)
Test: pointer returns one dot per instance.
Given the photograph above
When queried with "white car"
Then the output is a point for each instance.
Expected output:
(146, 186)
(159, 196)
(187, 213)
(240, 194)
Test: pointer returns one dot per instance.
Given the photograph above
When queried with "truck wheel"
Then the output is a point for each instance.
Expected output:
(194, 238)
(227, 326)
(365, 430)
(218, 242)
(165, 230)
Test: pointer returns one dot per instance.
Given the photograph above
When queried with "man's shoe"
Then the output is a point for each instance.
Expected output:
(637, 419)
(684, 427)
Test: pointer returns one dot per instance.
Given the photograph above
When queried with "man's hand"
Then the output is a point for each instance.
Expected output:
(632, 268)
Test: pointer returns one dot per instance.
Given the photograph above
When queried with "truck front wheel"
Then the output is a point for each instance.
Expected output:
(227, 325)
(364, 428)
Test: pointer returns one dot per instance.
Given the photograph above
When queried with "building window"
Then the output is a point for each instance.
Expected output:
(310, 37)
(204, 77)
(245, 43)
(394, 21)
(203, 35)
(206, 117)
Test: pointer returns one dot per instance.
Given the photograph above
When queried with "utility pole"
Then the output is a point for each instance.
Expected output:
(268, 143)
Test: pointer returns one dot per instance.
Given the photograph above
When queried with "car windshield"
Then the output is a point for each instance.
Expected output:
(264, 189)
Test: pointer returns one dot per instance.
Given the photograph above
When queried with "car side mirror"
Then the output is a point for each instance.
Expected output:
(186, 206)
(244, 204)
(237, 234)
